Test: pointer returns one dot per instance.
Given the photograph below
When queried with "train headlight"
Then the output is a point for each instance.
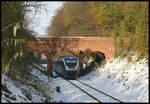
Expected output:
(67, 67)
(75, 67)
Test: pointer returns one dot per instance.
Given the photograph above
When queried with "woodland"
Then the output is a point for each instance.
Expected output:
(105, 19)
(101, 19)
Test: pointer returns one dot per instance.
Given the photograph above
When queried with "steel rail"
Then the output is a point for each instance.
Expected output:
(100, 91)
(84, 91)
(88, 86)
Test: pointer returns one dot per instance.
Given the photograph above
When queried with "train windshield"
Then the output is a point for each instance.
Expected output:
(71, 62)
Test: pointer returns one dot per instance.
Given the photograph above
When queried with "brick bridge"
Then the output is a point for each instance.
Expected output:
(50, 46)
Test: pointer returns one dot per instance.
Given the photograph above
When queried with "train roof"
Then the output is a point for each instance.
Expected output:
(60, 58)
(69, 57)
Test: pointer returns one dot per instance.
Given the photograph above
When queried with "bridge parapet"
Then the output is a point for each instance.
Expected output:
(102, 44)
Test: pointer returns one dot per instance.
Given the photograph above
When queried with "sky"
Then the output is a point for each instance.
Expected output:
(43, 18)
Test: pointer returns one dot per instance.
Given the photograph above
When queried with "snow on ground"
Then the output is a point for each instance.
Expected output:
(14, 91)
(125, 81)
(68, 92)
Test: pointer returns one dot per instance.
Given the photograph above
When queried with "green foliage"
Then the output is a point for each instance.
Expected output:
(124, 19)
(16, 27)
(14, 34)
(12, 54)
(116, 19)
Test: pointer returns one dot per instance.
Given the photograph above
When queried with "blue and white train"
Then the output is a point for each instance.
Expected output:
(66, 66)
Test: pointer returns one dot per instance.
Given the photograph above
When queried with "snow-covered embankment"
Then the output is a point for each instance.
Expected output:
(125, 80)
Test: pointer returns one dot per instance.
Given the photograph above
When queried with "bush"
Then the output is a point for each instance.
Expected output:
(98, 59)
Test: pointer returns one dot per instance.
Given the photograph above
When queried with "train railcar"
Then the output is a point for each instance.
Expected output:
(66, 66)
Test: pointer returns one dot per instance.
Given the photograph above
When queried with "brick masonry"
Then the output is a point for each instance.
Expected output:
(52, 46)
(102, 44)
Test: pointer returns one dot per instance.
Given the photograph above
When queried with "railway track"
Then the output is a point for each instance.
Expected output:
(98, 95)
(100, 91)
(99, 100)
(84, 91)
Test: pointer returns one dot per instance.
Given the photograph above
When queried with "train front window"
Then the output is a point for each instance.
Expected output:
(71, 62)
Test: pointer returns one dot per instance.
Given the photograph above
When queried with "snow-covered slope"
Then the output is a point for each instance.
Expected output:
(119, 78)
(126, 81)
(35, 90)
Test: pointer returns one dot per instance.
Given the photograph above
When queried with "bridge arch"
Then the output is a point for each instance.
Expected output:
(39, 55)
(98, 56)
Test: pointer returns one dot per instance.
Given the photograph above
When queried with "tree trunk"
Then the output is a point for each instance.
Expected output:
(49, 67)
(115, 43)
(80, 65)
